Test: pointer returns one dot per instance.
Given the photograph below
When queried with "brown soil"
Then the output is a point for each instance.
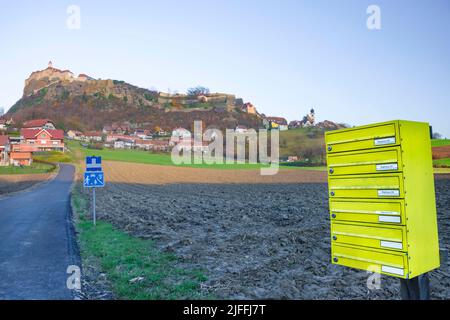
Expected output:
(122, 172)
(253, 239)
(18, 182)
(441, 152)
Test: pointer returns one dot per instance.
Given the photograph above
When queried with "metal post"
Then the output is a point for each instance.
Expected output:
(417, 288)
(94, 217)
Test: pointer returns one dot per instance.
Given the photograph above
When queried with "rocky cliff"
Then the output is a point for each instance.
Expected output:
(83, 103)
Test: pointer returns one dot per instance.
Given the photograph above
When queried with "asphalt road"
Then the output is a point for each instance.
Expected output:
(37, 242)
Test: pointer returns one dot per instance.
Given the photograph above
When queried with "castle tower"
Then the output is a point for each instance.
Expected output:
(50, 65)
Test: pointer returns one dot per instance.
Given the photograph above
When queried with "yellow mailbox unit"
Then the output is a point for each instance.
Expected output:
(382, 201)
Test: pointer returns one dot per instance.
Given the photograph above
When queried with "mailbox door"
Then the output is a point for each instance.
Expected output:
(367, 186)
(363, 162)
(379, 237)
(391, 212)
(380, 261)
(366, 137)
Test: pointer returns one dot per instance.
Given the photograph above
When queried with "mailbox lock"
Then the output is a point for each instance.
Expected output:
(330, 148)
(335, 259)
(334, 238)
(333, 216)
(331, 170)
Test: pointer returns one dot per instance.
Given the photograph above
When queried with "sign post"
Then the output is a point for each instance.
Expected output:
(94, 178)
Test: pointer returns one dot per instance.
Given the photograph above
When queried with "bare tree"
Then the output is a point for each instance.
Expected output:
(197, 91)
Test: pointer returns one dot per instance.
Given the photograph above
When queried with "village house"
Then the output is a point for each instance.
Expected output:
(152, 145)
(115, 128)
(93, 136)
(124, 143)
(143, 144)
(180, 134)
(275, 123)
(39, 124)
(75, 135)
(248, 108)
(21, 158)
(4, 150)
(111, 138)
(15, 154)
(160, 145)
(43, 139)
(241, 129)
(295, 124)
(161, 133)
(3, 126)
(142, 134)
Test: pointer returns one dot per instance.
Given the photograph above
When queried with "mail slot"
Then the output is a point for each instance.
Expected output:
(367, 186)
(385, 237)
(379, 261)
(368, 211)
(363, 162)
(365, 137)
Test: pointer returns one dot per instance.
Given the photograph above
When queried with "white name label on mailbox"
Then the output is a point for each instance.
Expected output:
(390, 244)
(384, 141)
(392, 270)
(387, 167)
(389, 219)
(388, 193)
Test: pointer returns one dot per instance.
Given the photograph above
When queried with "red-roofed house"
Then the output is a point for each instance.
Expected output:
(93, 136)
(39, 124)
(4, 149)
(21, 158)
(44, 139)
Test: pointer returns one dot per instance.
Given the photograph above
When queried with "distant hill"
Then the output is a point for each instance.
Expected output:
(84, 103)
(308, 144)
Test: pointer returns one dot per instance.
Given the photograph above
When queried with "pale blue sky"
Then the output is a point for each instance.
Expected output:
(284, 56)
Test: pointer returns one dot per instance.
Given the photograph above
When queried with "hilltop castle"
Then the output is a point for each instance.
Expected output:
(51, 75)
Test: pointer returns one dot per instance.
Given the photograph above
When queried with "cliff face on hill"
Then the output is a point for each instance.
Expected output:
(83, 103)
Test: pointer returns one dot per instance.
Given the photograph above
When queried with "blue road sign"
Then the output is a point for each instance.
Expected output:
(94, 179)
(93, 163)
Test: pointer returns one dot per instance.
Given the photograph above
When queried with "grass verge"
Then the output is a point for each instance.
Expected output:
(440, 142)
(136, 269)
(36, 167)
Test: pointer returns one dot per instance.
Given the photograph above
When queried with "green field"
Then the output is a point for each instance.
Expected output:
(145, 157)
(440, 142)
(442, 162)
(52, 156)
(36, 167)
(305, 143)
